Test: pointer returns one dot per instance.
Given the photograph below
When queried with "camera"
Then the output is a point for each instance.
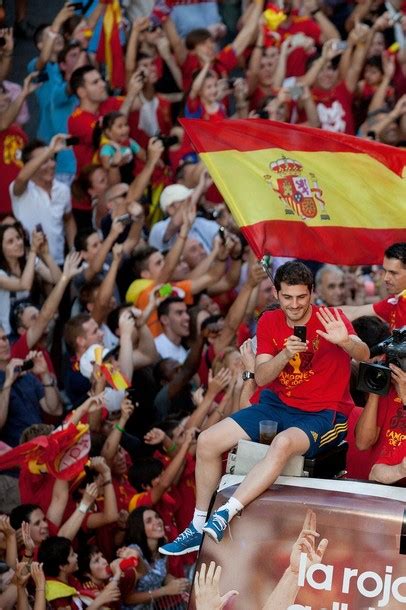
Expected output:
(168, 141)
(376, 378)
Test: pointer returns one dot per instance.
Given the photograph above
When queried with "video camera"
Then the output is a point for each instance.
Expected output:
(376, 378)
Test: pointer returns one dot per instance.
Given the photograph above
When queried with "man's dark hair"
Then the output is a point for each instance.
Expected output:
(293, 273)
(143, 471)
(86, 292)
(371, 330)
(85, 554)
(397, 251)
(29, 149)
(163, 308)
(81, 237)
(374, 62)
(196, 37)
(140, 260)
(39, 33)
(53, 553)
(114, 316)
(77, 78)
(21, 513)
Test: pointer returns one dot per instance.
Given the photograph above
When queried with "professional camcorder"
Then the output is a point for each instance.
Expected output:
(376, 378)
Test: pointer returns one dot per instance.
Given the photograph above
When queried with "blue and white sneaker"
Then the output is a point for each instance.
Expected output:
(217, 525)
(187, 542)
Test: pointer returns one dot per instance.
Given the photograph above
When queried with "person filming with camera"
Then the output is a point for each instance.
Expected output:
(381, 428)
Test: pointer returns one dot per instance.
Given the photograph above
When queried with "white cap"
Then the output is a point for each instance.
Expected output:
(88, 359)
(172, 193)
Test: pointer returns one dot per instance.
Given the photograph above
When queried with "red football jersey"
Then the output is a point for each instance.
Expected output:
(313, 380)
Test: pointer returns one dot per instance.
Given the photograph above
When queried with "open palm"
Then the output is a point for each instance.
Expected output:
(335, 330)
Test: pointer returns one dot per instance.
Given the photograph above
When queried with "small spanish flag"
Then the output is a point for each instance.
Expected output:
(303, 192)
(110, 51)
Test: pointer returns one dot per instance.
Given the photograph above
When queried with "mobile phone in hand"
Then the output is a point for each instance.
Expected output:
(42, 77)
(39, 228)
(72, 141)
(300, 332)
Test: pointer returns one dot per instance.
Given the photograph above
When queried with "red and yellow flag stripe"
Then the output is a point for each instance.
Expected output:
(303, 192)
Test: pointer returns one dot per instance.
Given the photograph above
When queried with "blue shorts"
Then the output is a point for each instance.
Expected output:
(325, 429)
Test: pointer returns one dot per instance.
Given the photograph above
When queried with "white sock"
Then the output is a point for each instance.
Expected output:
(233, 506)
(199, 519)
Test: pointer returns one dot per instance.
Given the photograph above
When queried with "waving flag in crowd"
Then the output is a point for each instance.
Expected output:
(303, 192)
(110, 51)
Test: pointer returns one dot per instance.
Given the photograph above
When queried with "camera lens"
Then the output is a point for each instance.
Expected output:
(376, 379)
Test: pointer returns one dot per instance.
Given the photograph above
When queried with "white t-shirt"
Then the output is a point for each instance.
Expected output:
(35, 206)
(167, 349)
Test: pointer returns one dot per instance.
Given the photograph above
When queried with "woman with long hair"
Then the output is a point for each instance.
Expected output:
(157, 588)
(18, 266)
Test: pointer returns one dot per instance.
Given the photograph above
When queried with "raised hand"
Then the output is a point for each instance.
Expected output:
(335, 330)
(38, 575)
(306, 543)
(154, 436)
(28, 542)
(220, 381)
(72, 264)
(207, 588)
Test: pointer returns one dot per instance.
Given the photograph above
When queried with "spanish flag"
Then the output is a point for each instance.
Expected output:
(303, 192)
(110, 51)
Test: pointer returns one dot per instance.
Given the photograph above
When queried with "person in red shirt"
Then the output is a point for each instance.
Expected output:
(392, 309)
(308, 397)
(202, 100)
(12, 139)
(382, 428)
(334, 97)
(199, 47)
(94, 102)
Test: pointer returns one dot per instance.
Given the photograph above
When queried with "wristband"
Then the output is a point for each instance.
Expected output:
(313, 13)
(171, 448)
(119, 428)
(109, 482)
(83, 507)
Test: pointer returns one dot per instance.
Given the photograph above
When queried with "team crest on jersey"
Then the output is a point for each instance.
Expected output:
(300, 194)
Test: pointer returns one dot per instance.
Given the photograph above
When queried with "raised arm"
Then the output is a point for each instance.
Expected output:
(50, 307)
(248, 31)
(10, 114)
(141, 181)
(367, 430)
(106, 288)
(57, 144)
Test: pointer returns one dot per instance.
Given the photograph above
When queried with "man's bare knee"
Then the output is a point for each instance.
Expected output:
(207, 445)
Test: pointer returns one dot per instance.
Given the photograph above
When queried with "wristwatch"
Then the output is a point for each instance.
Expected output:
(248, 375)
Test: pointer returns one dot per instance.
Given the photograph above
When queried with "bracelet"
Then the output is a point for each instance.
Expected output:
(49, 385)
(313, 13)
(83, 507)
(222, 260)
(109, 482)
(171, 448)
(119, 428)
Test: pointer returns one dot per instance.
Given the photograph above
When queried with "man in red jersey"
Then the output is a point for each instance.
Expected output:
(392, 309)
(94, 102)
(306, 393)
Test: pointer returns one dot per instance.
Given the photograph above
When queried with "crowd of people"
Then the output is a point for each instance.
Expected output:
(136, 325)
